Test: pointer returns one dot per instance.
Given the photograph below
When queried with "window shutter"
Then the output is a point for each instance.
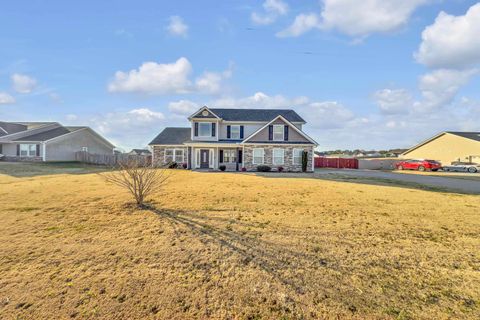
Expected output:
(18, 149)
(196, 129)
(228, 132)
(38, 150)
(270, 132)
(241, 132)
(285, 136)
(213, 129)
(221, 156)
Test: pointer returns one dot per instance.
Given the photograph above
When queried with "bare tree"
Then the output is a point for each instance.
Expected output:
(138, 177)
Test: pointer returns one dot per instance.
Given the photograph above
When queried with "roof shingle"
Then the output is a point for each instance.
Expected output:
(173, 136)
(263, 115)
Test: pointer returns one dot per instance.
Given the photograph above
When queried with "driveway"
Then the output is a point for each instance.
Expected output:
(459, 184)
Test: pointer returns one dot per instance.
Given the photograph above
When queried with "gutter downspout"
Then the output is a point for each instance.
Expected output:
(44, 151)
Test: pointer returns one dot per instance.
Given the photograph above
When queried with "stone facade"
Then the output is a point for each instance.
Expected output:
(158, 153)
(268, 157)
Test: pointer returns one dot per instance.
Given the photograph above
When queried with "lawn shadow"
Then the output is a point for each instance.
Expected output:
(269, 257)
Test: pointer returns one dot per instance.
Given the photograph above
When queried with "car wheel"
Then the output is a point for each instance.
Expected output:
(400, 168)
(421, 168)
(434, 170)
(445, 169)
(472, 170)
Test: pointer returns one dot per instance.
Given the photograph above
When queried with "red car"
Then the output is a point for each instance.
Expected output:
(420, 165)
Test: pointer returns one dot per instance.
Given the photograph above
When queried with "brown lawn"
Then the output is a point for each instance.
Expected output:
(235, 246)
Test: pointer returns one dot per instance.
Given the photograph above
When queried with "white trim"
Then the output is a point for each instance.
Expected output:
(253, 155)
(174, 155)
(44, 151)
(210, 131)
(28, 131)
(283, 156)
(4, 130)
(286, 121)
(201, 109)
(236, 126)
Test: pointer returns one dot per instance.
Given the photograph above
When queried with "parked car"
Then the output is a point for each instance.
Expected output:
(462, 167)
(420, 165)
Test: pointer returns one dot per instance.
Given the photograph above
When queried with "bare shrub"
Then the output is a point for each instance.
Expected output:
(138, 177)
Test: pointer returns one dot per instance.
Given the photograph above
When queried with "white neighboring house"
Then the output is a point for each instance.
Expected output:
(48, 141)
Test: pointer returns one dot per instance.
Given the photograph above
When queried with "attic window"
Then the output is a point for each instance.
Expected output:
(204, 113)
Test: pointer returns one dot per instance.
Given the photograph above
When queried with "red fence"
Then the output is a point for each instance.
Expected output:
(339, 163)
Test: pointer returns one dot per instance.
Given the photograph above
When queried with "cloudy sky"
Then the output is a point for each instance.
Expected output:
(364, 74)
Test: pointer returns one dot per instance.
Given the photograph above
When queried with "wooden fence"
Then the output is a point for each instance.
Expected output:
(339, 163)
(111, 159)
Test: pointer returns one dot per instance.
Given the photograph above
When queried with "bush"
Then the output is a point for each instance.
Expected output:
(172, 165)
(244, 169)
(222, 167)
(263, 168)
(184, 165)
(280, 169)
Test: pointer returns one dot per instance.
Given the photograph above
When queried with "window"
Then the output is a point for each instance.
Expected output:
(229, 156)
(204, 129)
(235, 132)
(297, 156)
(28, 150)
(85, 149)
(176, 155)
(278, 131)
(278, 156)
(258, 156)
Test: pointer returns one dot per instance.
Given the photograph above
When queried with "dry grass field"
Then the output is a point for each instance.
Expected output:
(234, 246)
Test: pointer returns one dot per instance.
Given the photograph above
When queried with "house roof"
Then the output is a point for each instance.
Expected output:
(262, 115)
(173, 136)
(10, 127)
(49, 134)
(469, 135)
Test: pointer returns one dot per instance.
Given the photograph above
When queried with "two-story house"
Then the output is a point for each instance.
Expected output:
(236, 138)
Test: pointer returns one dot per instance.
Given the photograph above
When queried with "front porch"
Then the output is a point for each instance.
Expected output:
(208, 157)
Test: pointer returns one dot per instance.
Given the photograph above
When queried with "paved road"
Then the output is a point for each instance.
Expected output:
(455, 184)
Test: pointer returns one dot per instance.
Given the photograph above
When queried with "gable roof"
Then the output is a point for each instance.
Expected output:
(10, 127)
(291, 125)
(49, 134)
(261, 115)
(173, 136)
(469, 135)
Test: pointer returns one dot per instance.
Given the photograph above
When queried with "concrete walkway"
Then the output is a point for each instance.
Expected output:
(463, 185)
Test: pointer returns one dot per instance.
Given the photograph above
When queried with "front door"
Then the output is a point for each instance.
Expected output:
(204, 159)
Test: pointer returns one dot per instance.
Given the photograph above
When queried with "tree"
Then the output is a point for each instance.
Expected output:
(138, 177)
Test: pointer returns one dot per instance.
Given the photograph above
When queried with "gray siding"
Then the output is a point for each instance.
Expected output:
(293, 135)
(64, 148)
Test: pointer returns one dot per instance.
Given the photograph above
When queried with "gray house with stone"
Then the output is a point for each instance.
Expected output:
(237, 139)
(48, 141)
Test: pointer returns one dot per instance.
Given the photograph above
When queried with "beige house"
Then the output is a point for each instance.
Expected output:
(447, 147)
(237, 139)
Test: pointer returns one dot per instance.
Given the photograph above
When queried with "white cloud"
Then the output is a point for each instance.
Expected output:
(327, 114)
(183, 107)
(133, 128)
(393, 101)
(5, 98)
(169, 78)
(302, 23)
(439, 87)
(355, 18)
(260, 100)
(23, 83)
(273, 9)
(452, 41)
(177, 27)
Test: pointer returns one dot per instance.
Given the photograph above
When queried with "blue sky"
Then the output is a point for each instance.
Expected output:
(376, 74)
